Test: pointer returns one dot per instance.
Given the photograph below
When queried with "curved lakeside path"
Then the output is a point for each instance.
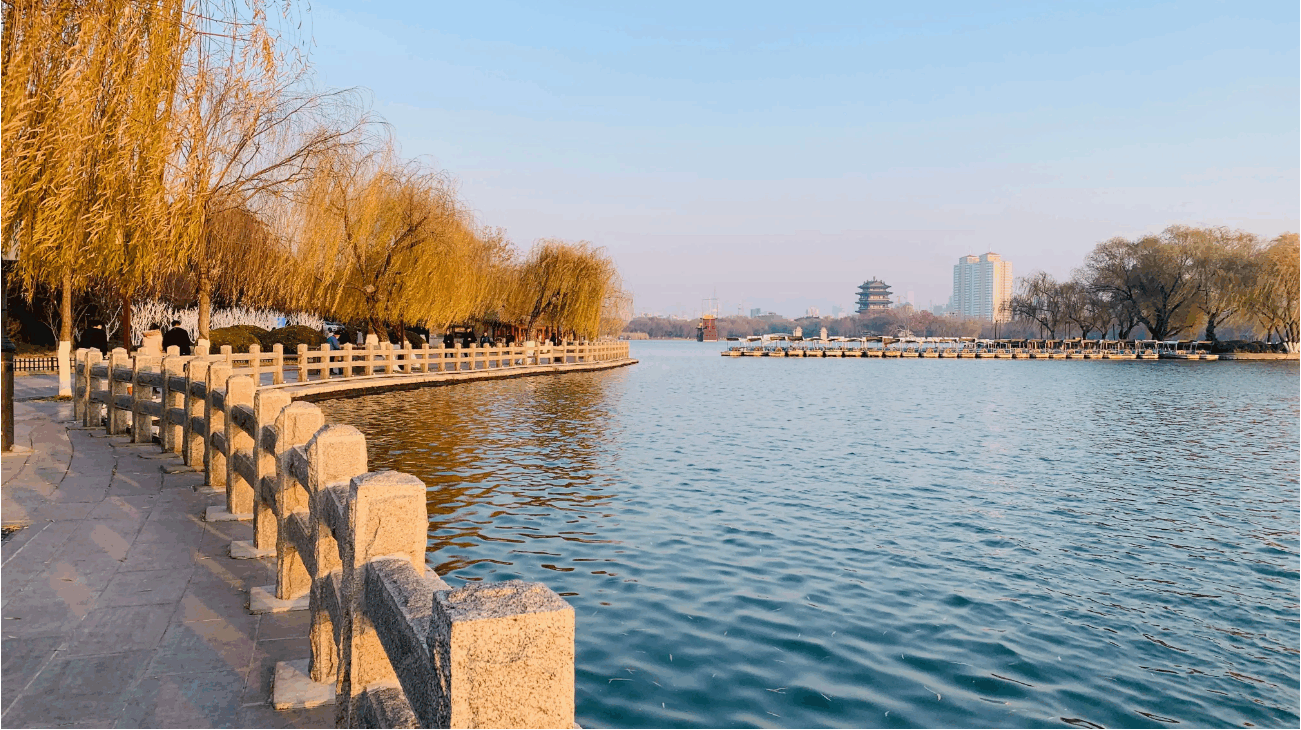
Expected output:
(121, 606)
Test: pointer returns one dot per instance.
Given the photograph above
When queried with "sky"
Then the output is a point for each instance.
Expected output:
(776, 155)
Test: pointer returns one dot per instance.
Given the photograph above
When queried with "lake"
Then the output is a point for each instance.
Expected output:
(883, 543)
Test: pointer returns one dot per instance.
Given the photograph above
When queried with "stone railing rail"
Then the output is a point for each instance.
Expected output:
(384, 359)
(391, 644)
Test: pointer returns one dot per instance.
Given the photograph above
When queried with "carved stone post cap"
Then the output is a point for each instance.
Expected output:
(385, 480)
(481, 601)
(334, 436)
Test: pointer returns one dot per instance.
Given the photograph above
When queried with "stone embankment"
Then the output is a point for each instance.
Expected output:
(390, 644)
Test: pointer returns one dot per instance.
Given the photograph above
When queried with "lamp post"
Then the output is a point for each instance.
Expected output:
(6, 363)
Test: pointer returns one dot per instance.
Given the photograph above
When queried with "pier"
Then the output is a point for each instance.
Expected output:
(782, 345)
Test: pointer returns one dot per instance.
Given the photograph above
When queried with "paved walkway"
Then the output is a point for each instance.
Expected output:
(121, 607)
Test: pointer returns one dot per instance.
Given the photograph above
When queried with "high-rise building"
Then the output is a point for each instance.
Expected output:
(812, 312)
(982, 287)
(756, 312)
(873, 296)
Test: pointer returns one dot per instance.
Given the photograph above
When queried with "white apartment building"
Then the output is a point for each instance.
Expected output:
(982, 287)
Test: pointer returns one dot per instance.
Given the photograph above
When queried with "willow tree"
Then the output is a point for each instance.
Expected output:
(1274, 297)
(565, 287)
(1222, 264)
(87, 91)
(1153, 275)
(1042, 300)
(382, 240)
(616, 308)
(249, 130)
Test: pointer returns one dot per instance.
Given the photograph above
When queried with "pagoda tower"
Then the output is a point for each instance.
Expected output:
(873, 296)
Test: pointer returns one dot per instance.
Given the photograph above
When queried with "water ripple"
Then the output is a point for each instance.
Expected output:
(883, 543)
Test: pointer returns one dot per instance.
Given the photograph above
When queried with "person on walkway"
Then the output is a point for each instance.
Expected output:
(333, 342)
(177, 336)
(94, 338)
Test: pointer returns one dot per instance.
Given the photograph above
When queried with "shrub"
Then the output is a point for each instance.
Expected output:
(1230, 346)
(291, 337)
(239, 338)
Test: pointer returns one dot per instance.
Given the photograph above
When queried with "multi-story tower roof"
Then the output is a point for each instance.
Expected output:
(873, 296)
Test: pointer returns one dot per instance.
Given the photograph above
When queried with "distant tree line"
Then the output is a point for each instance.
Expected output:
(1183, 282)
(898, 322)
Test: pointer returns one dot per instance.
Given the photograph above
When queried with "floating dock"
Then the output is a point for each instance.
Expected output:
(783, 345)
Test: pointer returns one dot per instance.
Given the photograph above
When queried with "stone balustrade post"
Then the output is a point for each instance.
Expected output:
(90, 411)
(295, 426)
(239, 493)
(504, 652)
(386, 517)
(118, 362)
(335, 454)
(79, 383)
(327, 355)
(302, 362)
(255, 364)
(267, 407)
(214, 462)
(142, 428)
(347, 360)
(194, 441)
(278, 361)
(171, 432)
(99, 411)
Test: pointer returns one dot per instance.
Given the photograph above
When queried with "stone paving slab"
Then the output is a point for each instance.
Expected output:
(121, 605)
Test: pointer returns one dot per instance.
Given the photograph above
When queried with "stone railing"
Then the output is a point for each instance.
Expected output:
(376, 358)
(391, 644)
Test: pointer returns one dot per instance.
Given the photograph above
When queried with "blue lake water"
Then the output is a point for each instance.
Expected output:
(897, 543)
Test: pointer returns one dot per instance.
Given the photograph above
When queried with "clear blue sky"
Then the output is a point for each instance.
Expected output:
(781, 153)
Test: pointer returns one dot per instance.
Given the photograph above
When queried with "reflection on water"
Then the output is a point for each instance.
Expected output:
(883, 543)
(512, 463)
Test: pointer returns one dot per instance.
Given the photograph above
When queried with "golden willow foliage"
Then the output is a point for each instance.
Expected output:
(380, 240)
(377, 239)
(87, 97)
(567, 288)
(1275, 300)
(174, 147)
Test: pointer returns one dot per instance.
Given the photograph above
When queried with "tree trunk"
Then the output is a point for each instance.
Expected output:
(205, 306)
(65, 336)
(1210, 328)
(126, 322)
